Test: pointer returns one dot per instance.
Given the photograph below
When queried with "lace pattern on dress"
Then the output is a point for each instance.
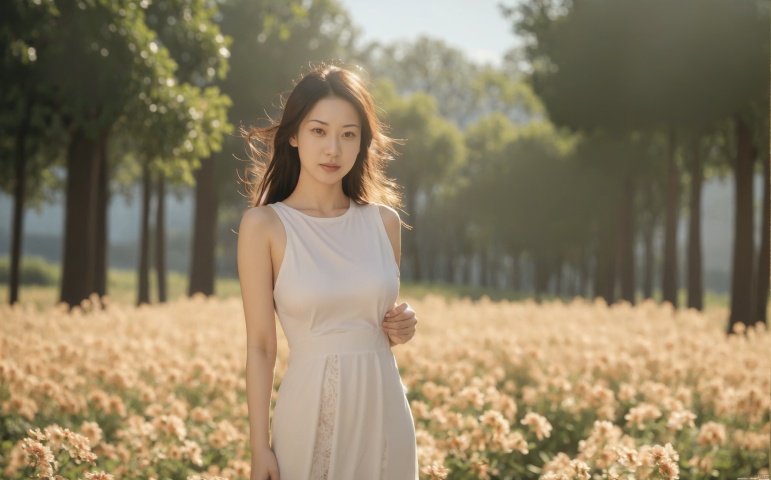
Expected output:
(326, 424)
(384, 460)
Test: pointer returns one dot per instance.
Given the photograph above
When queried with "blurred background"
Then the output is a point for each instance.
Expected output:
(554, 148)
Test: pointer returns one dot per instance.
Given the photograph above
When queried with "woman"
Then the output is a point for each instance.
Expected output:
(322, 246)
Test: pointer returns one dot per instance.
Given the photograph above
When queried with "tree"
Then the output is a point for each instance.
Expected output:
(645, 85)
(430, 66)
(100, 65)
(496, 90)
(194, 41)
(433, 148)
(272, 42)
(183, 134)
(27, 124)
(764, 251)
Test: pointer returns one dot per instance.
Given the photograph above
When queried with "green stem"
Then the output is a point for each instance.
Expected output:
(24, 472)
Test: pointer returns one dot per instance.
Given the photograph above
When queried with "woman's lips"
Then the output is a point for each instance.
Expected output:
(330, 168)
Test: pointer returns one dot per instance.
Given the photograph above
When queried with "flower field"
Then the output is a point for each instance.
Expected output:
(499, 390)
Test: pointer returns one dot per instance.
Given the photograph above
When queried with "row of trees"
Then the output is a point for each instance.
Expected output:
(550, 177)
(120, 92)
(704, 96)
(106, 89)
(643, 103)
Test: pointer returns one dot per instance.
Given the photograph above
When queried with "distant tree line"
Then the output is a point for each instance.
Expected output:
(553, 172)
(586, 145)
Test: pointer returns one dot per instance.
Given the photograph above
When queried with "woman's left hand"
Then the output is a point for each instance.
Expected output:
(400, 324)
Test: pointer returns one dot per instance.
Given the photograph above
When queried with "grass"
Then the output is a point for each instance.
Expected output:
(421, 289)
(122, 288)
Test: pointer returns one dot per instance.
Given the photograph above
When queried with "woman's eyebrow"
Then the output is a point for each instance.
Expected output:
(325, 123)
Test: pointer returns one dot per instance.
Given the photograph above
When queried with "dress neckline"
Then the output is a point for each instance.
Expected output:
(323, 219)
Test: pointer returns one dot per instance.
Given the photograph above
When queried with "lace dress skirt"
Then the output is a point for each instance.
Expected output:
(359, 426)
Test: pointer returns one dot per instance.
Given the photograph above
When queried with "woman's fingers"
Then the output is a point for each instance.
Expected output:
(405, 315)
(401, 324)
(397, 310)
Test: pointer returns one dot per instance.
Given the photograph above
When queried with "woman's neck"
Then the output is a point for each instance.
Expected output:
(319, 198)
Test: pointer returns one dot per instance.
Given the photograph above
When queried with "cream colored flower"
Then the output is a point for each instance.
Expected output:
(99, 476)
(711, 434)
(679, 419)
(92, 431)
(538, 425)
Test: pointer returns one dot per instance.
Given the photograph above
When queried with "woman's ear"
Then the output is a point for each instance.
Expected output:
(293, 141)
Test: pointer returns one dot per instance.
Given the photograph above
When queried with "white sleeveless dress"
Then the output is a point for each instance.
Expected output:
(341, 411)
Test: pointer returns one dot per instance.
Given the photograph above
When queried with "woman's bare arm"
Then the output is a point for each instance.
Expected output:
(255, 273)
(400, 327)
(393, 227)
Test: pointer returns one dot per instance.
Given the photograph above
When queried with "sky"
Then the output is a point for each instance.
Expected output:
(475, 26)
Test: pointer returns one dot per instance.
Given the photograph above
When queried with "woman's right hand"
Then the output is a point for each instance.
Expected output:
(264, 465)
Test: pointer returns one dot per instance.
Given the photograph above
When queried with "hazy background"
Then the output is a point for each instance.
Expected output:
(482, 33)
(552, 146)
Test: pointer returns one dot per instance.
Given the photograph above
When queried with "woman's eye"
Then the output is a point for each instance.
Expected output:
(349, 134)
(318, 131)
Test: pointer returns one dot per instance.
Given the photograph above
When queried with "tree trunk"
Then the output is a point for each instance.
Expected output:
(604, 273)
(434, 260)
(649, 260)
(744, 248)
(764, 256)
(19, 199)
(143, 293)
(160, 239)
(559, 272)
(516, 272)
(202, 264)
(77, 281)
(648, 230)
(626, 240)
(452, 263)
(585, 280)
(411, 195)
(669, 284)
(581, 274)
(102, 240)
(540, 277)
(484, 266)
(468, 261)
(695, 276)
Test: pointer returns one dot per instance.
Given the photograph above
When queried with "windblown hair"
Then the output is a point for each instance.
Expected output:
(275, 164)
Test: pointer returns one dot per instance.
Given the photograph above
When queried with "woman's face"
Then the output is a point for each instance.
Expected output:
(328, 140)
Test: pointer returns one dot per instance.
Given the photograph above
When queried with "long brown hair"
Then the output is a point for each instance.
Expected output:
(275, 164)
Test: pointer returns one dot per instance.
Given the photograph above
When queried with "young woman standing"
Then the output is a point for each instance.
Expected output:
(321, 246)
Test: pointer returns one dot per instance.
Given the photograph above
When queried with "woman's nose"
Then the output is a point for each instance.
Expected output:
(333, 146)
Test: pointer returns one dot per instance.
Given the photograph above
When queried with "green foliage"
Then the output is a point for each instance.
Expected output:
(463, 90)
(181, 120)
(273, 42)
(430, 66)
(188, 30)
(33, 271)
(498, 91)
(28, 126)
(622, 65)
(525, 185)
(433, 147)
(137, 69)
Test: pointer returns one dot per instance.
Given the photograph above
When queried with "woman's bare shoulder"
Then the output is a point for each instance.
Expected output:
(259, 220)
(390, 215)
